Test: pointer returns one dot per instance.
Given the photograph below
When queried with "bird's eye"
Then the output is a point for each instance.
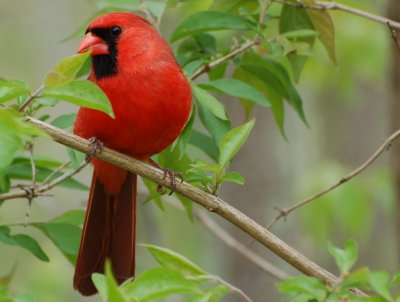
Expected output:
(116, 31)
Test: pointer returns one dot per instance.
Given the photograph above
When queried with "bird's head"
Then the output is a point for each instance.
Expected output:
(114, 37)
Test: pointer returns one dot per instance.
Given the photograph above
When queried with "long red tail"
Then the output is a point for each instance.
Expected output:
(109, 232)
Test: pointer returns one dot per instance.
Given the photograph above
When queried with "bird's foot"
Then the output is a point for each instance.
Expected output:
(172, 176)
(96, 146)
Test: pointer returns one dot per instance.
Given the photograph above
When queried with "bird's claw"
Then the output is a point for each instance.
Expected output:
(96, 146)
(172, 176)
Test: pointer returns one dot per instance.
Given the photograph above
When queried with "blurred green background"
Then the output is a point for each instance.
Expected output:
(348, 111)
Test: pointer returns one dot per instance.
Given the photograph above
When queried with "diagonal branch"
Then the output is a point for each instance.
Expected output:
(321, 5)
(210, 202)
(234, 53)
(382, 148)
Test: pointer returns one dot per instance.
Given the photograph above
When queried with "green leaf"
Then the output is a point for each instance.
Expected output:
(65, 237)
(66, 70)
(114, 293)
(237, 88)
(292, 19)
(23, 298)
(395, 280)
(75, 156)
(234, 177)
(4, 294)
(233, 141)
(357, 278)
(82, 93)
(379, 282)
(276, 77)
(14, 132)
(346, 258)
(24, 171)
(12, 89)
(74, 217)
(323, 23)
(46, 101)
(304, 285)
(300, 33)
(209, 102)
(100, 283)
(187, 205)
(204, 143)
(157, 283)
(118, 4)
(215, 126)
(64, 121)
(213, 295)
(184, 138)
(5, 183)
(23, 241)
(174, 261)
(210, 21)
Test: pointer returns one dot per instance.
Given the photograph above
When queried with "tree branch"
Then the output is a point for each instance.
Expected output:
(384, 147)
(210, 202)
(319, 5)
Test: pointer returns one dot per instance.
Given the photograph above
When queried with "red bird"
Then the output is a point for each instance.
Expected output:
(152, 100)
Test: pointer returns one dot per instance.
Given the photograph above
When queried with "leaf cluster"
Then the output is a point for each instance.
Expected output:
(380, 286)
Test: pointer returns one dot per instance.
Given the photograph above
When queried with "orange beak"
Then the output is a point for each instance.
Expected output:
(94, 44)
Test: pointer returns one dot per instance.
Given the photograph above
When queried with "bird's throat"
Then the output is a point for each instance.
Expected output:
(105, 65)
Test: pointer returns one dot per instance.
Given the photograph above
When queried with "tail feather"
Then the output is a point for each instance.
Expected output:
(109, 232)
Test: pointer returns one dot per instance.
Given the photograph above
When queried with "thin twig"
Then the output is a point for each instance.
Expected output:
(233, 243)
(219, 61)
(59, 169)
(234, 53)
(319, 5)
(63, 177)
(263, 12)
(206, 200)
(42, 189)
(31, 98)
(233, 288)
(382, 148)
(31, 191)
(394, 36)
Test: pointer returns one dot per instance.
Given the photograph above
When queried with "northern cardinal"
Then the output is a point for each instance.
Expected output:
(152, 100)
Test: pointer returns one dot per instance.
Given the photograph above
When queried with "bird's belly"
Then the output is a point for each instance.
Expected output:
(138, 131)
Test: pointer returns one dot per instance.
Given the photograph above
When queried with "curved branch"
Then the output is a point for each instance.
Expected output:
(382, 148)
(210, 202)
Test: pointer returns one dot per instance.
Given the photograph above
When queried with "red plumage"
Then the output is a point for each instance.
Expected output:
(151, 100)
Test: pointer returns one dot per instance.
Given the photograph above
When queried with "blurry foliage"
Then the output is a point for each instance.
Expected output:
(263, 77)
(378, 284)
(176, 275)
